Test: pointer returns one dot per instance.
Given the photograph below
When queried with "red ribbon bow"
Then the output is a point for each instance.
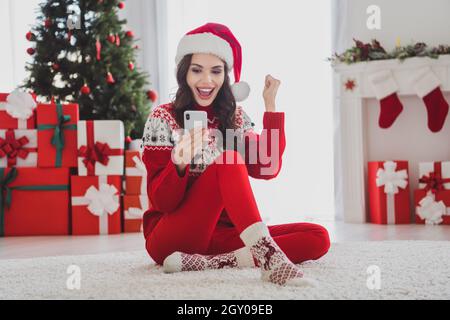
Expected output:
(13, 148)
(99, 152)
(434, 182)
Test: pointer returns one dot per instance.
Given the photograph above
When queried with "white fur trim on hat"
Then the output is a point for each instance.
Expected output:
(241, 90)
(205, 43)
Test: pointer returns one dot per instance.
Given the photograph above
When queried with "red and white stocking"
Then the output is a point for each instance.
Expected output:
(427, 87)
(179, 261)
(274, 264)
(385, 89)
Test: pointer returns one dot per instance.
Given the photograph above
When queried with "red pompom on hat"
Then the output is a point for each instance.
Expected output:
(217, 39)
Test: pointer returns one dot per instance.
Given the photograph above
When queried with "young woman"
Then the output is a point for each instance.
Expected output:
(204, 214)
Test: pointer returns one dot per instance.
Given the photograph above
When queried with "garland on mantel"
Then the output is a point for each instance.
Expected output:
(374, 51)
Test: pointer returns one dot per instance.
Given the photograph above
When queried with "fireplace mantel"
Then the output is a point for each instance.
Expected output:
(352, 88)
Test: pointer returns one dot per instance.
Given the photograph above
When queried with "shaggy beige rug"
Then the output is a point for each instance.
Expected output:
(353, 270)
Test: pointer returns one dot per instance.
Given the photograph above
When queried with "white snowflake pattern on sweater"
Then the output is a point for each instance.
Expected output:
(162, 132)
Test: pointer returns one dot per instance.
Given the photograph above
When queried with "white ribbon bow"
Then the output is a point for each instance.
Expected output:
(104, 200)
(140, 165)
(391, 179)
(20, 105)
(135, 213)
(430, 210)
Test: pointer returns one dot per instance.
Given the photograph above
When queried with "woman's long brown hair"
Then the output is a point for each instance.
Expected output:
(224, 104)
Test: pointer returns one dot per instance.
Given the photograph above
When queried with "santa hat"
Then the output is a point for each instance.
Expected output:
(216, 39)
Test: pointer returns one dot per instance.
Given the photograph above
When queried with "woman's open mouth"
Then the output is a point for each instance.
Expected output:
(205, 93)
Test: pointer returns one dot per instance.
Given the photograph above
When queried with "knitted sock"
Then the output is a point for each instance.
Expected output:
(437, 109)
(274, 264)
(385, 89)
(427, 86)
(179, 261)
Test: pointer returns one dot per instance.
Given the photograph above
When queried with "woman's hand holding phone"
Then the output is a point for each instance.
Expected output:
(191, 144)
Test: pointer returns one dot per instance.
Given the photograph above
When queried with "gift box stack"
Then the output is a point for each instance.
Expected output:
(135, 200)
(389, 195)
(97, 188)
(60, 175)
(34, 199)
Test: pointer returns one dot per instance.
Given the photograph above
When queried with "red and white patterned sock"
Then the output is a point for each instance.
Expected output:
(275, 265)
(179, 261)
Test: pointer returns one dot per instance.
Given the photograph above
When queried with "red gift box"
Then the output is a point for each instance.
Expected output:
(134, 208)
(135, 174)
(57, 135)
(433, 200)
(7, 121)
(34, 201)
(96, 205)
(432, 208)
(389, 192)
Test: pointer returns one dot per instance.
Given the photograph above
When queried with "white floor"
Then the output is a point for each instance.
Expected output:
(27, 247)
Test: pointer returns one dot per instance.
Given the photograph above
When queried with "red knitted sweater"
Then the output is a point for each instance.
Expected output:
(166, 188)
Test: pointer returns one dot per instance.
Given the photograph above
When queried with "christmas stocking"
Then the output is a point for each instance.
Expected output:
(427, 87)
(274, 264)
(385, 89)
(179, 261)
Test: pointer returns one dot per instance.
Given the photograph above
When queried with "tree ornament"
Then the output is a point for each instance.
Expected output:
(48, 23)
(31, 51)
(131, 65)
(130, 34)
(98, 47)
(85, 90)
(30, 36)
(55, 66)
(117, 40)
(121, 5)
(152, 95)
(112, 38)
(110, 78)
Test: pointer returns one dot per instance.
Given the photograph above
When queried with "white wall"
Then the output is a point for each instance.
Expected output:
(411, 20)
(290, 40)
(16, 19)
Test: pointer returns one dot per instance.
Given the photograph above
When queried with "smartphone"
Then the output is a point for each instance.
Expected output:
(194, 118)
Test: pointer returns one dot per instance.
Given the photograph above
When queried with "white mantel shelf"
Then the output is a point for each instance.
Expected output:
(351, 157)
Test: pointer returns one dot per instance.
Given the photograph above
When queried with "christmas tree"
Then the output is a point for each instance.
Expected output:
(82, 54)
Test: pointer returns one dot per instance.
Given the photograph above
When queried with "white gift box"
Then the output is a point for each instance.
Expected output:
(28, 160)
(425, 168)
(95, 135)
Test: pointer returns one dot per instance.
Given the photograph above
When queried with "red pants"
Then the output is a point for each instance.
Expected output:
(193, 227)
